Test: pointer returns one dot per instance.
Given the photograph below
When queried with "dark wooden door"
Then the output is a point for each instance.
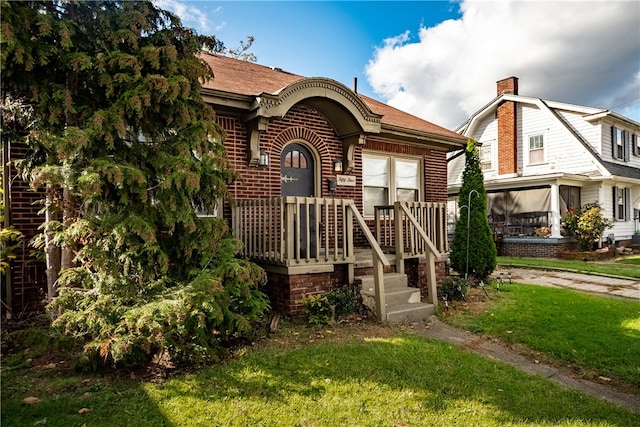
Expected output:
(297, 177)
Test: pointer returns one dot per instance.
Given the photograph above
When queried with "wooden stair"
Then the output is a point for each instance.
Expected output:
(403, 302)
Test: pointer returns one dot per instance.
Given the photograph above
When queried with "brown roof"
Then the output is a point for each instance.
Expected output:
(394, 117)
(247, 78)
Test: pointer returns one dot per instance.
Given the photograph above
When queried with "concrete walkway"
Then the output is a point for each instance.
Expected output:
(492, 348)
(496, 350)
(601, 284)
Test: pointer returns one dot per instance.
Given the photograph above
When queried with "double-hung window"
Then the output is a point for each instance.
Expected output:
(536, 149)
(387, 179)
(620, 140)
(622, 203)
(486, 156)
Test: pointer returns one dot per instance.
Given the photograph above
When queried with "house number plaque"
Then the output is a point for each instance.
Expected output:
(346, 180)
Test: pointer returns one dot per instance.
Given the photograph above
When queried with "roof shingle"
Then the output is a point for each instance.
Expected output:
(247, 78)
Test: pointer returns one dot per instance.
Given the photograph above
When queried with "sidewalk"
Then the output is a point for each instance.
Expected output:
(494, 349)
(608, 285)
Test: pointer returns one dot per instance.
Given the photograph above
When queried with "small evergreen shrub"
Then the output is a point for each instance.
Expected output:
(344, 300)
(454, 288)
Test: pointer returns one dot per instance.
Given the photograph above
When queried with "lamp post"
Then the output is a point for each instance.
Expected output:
(468, 206)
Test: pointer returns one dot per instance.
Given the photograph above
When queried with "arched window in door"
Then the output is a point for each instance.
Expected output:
(295, 159)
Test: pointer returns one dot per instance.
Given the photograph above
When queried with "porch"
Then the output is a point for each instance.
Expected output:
(310, 245)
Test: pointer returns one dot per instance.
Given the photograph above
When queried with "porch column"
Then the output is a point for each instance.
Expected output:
(555, 211)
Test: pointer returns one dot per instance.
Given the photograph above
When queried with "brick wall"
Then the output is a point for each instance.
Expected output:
(27, 278)
(507, 128)
(507, 138)
(525, 249)
(301, 123)
(286, 291)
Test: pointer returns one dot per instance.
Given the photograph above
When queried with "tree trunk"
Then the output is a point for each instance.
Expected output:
(66, 257)
(52, 252)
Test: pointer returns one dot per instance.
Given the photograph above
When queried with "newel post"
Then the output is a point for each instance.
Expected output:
(378, 279)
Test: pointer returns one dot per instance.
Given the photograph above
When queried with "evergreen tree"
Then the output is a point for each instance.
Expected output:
(473, 249)
(127, 150)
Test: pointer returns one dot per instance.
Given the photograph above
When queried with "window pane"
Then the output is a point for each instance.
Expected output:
(536, 142)
(536, 156)
(374, 196)
(406, 195)
(407, 174)
(375, 171)
(485, 156)
(295, 159)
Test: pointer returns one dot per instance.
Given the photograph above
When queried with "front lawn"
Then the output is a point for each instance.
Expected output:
(601, 334)
(355, 374)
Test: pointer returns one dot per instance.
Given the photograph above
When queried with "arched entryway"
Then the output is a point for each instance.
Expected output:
(297, 178)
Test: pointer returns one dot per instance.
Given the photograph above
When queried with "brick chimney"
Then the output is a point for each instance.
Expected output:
(507, 128)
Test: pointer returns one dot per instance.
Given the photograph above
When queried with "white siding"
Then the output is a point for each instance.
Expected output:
(563, 152)
(486, 132)
(589, 131)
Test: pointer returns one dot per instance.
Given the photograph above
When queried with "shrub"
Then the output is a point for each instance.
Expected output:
(587, 224)
(473, 249)
(345, 300)
(454, 288)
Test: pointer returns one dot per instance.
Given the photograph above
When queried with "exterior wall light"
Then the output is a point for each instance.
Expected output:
(263, 160)
(337, 166)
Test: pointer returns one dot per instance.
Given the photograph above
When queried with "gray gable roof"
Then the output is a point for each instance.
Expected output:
(622, 170)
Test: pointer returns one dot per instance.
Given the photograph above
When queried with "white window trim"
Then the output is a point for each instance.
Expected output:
(545, 148)
(492, 150)
(392, 189)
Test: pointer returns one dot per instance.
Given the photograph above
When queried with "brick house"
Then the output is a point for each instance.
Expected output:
(541, 158)
(328, 179)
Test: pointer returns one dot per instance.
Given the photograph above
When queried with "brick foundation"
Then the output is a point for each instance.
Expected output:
(535, 248)
(287, 291)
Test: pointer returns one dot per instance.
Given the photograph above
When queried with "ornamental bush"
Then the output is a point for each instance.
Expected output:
(587, 224)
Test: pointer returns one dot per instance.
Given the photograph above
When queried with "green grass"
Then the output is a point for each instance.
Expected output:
(583, 330)
(362, 375)
(627, 266)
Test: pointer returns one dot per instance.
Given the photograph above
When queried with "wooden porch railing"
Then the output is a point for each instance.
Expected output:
(295, 230)
(306, 232)
(430, 216)
(414, 229)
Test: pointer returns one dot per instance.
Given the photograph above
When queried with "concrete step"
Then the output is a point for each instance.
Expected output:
(403, 303)
(407, 313)
(396, 295)
(391, 281)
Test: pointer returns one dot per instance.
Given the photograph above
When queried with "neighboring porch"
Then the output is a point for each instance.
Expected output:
(526, 221)
(310, 245)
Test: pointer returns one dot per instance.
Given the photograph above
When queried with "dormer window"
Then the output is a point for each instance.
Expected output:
(620, 141)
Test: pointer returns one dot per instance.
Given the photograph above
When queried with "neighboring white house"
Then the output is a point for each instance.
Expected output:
(541, 158)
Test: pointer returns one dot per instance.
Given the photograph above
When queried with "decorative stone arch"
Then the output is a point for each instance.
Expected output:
(308, 138)
(347, 113)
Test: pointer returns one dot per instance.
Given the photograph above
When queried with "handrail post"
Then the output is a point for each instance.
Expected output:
(431, 253)
(378, 280)
(399, 237)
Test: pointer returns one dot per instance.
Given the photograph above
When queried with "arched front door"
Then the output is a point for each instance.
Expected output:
(297, 177)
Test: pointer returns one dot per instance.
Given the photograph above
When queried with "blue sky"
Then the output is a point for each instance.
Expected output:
(440, 60)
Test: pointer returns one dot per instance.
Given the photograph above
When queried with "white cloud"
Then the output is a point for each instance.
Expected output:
(190, 15)
(586, 53)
